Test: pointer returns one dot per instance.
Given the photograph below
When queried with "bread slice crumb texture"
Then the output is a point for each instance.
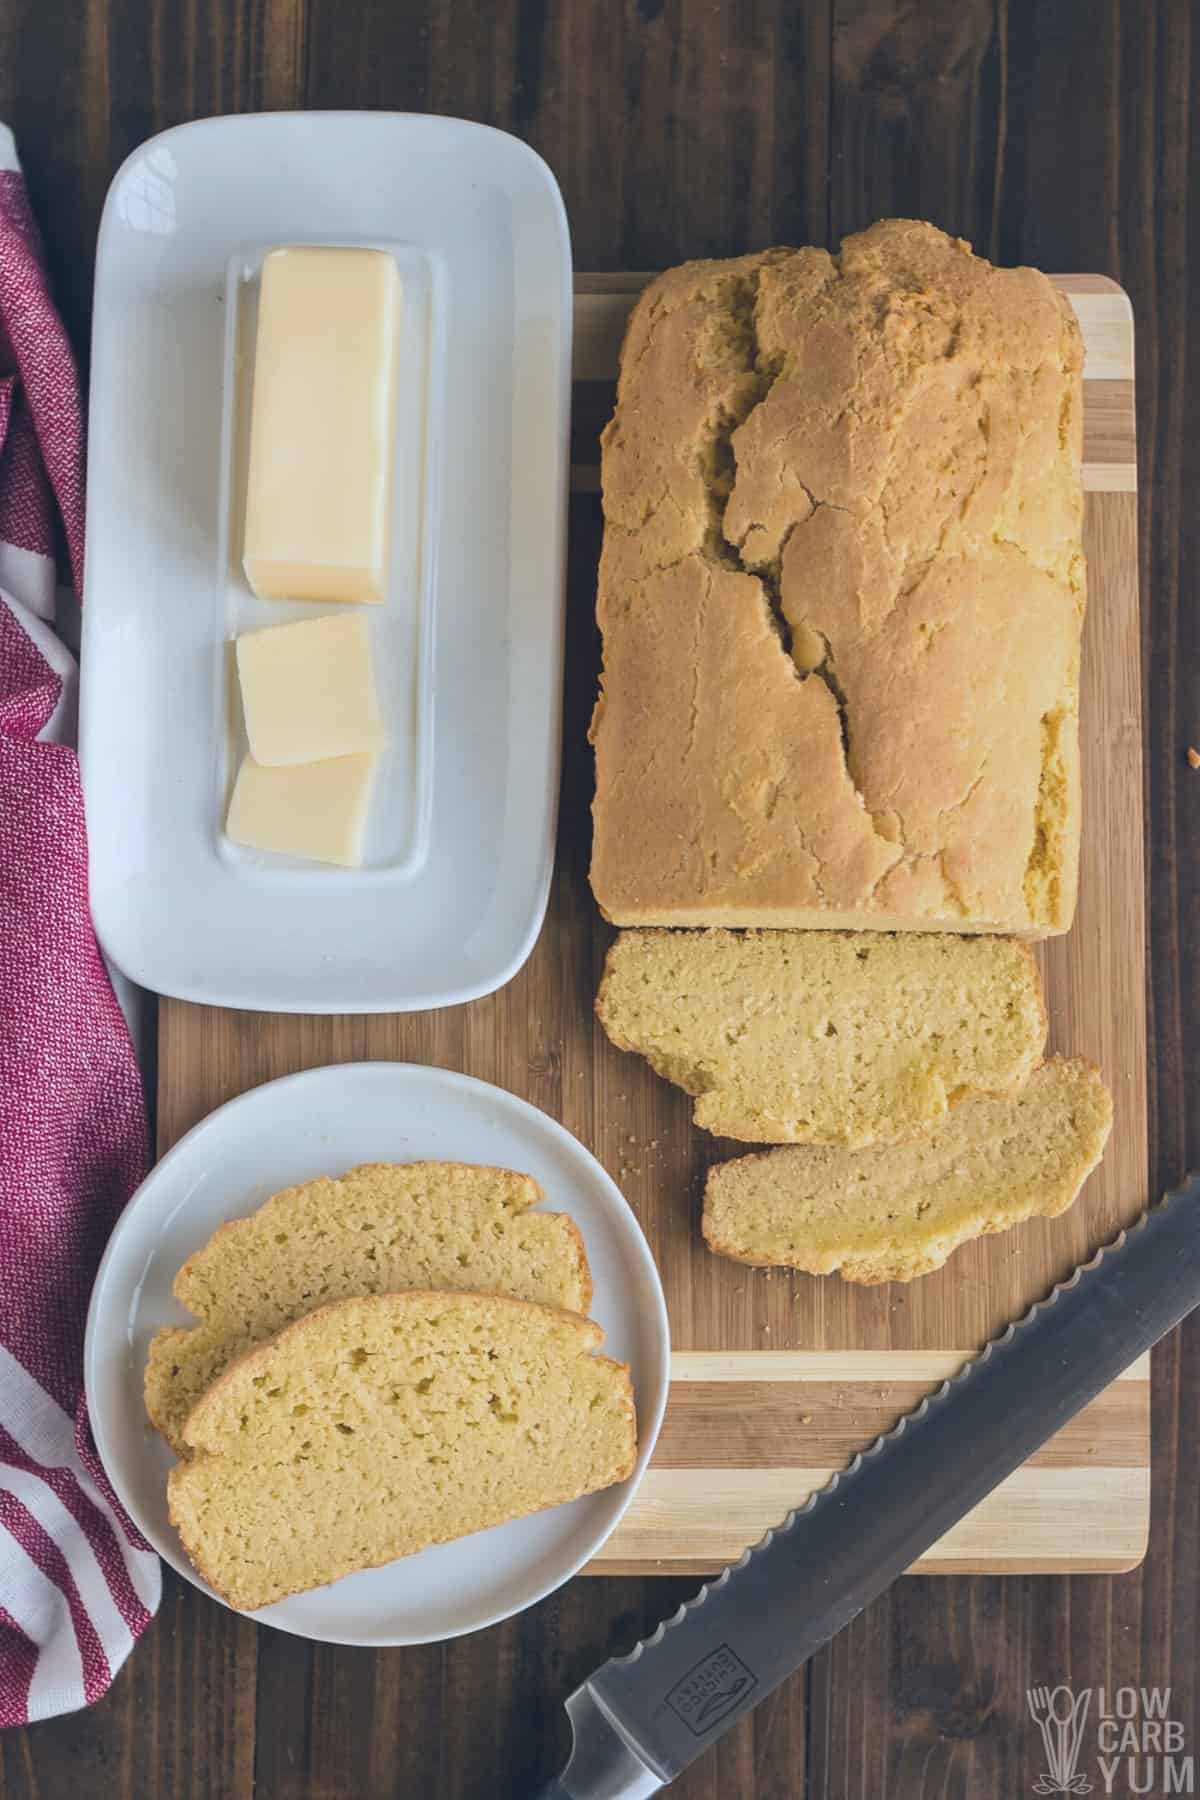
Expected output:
(376, 1427)
(850, 1038)
(889, 1215)
(379, 1228)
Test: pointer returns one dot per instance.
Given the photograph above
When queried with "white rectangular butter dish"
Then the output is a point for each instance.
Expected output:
(468, 643)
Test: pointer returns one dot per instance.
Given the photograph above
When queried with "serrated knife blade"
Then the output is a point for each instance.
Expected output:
(640, 1719)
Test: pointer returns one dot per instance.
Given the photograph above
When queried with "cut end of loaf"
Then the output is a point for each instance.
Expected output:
(825, 1037)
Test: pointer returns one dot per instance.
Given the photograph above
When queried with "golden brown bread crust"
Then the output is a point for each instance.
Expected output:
(841, 595)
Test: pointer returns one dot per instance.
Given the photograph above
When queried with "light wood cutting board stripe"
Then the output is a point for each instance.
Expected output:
(847, 1366)
(784, 1424)
(1053, 1520)
(799, 1410)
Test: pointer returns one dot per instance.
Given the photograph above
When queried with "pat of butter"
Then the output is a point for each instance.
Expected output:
(316, 810)
(308, 690)
(322, 424)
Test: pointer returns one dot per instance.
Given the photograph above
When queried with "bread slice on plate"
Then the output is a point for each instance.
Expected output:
(379, 1228)
(891, 1214)
(825, 1037)
(375, 1427)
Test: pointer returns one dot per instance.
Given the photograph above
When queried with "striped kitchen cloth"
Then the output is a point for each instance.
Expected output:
(77, 1583)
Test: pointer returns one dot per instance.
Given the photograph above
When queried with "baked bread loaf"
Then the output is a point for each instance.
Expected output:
(376, 1229)
(374, 1427)
(841, 595)
(825, 1037)
(889, 1215)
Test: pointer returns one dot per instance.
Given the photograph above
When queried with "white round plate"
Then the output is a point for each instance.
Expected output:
(323, 1122)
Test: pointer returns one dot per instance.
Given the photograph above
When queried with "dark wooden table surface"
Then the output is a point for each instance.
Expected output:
(1058, 132)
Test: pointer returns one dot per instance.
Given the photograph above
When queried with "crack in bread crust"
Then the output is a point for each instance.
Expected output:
(867, 470)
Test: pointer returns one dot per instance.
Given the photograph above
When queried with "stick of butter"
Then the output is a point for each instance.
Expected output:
(322, 424)
(308, 690)
(316, 810)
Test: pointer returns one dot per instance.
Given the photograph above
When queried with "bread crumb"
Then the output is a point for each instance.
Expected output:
(806, 1418)
(1193, 756)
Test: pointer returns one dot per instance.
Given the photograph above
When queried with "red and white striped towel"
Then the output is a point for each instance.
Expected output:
(77, 1583)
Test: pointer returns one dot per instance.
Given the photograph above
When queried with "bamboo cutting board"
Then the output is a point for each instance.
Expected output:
(777, 1377)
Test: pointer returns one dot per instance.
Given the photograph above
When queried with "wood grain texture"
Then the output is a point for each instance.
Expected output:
(1062, 135)
(813, 1409)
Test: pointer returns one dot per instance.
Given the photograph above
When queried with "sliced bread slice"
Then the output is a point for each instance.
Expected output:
(891, 1214)
(825, 1037)
(377, 1229)
(375, 1427)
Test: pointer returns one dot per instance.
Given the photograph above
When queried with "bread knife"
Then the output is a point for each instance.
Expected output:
(640, 1719)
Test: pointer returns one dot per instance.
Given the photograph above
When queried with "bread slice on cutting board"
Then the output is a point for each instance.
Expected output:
(889, 1214)
(825, 1037)
(377, 1229)
(375, 1427)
